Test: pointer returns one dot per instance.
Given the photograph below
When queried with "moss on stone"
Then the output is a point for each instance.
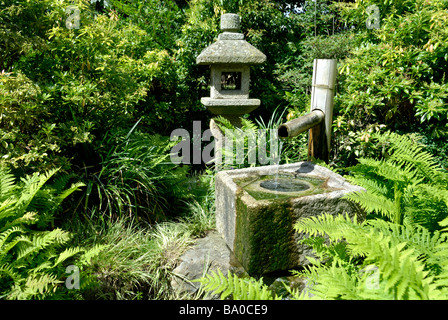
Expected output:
(261, 234)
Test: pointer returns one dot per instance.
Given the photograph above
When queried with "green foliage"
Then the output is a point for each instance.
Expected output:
(22, 28)
(129, 269)
(297, 71)
(128, 60)
(235, 288)
(380, 260)
(244, 141)
(323, 36)
(407, 186)
(82, 82)
(256, 143)
(31, 260)
(136, 178)
(372, 260)
(139, 261)
(396, 76)
(401, 257)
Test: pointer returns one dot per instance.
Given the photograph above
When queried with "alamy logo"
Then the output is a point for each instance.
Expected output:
(237, 146)
(72, 281)
(373, 19)
(74, 18)
(371, 277)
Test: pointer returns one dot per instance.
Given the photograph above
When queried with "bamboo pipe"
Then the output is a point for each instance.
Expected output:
(319, 120)
(295, 127)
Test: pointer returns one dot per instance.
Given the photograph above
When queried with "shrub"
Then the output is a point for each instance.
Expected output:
(396, 76)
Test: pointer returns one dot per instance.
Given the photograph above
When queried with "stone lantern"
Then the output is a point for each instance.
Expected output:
(230, 58)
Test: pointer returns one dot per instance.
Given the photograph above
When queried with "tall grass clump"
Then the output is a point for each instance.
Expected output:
(136, 178)
(139, 262)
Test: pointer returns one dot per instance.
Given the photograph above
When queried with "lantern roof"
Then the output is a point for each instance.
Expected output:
(231, 48)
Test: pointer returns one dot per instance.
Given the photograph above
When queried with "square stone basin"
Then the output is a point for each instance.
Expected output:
(257, 208)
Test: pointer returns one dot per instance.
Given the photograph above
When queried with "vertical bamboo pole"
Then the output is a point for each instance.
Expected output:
(322, 97)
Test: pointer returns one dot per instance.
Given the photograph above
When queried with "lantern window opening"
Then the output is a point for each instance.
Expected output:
(231, 80)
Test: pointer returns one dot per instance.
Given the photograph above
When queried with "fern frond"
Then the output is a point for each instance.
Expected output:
(39, 285)
(425, 243)
(7, 184)
(74, 187)
(89, 254)
(410, 154)
(400, 269)
(31, 185)
(67, 253)
(9, 271)
(329, 282)
(399, 252)
(224, 123)
(42, 240)
(236, 288)
(388, 170)
(326, 224)
(248, 125)
(371, 185)
(4, 236)
(7, 208)
(374, 203)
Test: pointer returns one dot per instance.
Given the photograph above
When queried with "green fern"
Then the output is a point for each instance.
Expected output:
(408, 153)
(404, 239)
(407, 186)
(31, 260)
(409, 260)
(231, 286)
(246, 141)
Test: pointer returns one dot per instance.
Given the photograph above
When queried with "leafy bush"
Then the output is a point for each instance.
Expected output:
(31, 260)
(396, 76)
(68, 93)
(256, 143)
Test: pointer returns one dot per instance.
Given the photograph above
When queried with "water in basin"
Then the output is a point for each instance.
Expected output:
(285, 185)
(271, 187)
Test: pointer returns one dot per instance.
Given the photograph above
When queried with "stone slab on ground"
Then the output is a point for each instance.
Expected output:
(207, 254)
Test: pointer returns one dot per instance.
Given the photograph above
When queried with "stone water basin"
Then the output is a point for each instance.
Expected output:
(257, 208)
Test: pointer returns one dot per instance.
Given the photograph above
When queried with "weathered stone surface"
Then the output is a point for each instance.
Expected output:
(230, 106)
(207, 254)
(216, 91)
(231, 48)
(261, 232)
(230, 58)
(230, 22)
(231, 36)
(231, 52)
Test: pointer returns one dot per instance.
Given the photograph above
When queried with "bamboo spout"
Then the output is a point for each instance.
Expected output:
(320, 118)
(295, 127)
